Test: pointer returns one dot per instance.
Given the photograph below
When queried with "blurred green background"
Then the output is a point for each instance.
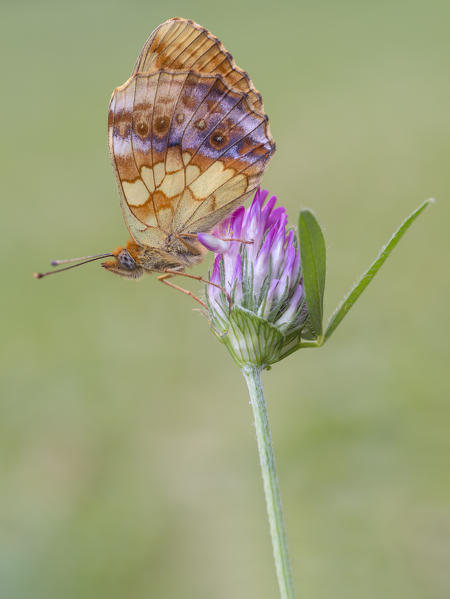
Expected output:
(128, 463)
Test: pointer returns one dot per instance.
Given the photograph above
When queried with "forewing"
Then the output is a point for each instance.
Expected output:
(183, 45)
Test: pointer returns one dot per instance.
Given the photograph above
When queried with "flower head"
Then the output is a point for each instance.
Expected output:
(256, 303)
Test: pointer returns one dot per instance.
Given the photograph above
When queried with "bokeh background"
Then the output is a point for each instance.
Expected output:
(128, 464)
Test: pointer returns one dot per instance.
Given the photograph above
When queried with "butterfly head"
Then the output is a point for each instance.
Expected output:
(125, 262)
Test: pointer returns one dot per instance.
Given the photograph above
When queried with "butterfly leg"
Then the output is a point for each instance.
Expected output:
(234, 239)
(194, 236)
(189, 276)
(198, 278)
(163, 279)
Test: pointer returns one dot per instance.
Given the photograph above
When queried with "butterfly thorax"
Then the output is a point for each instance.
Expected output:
(134, 260)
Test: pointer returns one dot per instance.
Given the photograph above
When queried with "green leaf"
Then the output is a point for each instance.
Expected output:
(313, 255)
(367, 277)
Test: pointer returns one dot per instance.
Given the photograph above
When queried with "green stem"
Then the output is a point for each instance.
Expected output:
(252, 376)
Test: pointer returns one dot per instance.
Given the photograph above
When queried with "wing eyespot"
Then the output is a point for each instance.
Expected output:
(218, 139)
(142, 129)
(162, 124)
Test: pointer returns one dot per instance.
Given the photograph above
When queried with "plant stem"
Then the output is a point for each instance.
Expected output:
(252, 376)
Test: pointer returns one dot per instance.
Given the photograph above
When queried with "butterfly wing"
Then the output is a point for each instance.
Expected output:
(187, 133)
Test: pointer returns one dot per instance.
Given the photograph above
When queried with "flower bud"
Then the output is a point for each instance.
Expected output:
(256, 304)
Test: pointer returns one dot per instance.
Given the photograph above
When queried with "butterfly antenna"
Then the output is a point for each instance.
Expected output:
(39, 275)
(94, 257)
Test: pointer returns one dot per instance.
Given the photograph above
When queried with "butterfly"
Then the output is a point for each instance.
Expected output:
(189, 141)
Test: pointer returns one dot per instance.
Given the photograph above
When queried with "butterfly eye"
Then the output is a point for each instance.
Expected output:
(142, 128)
(126, 261)
(218, 139)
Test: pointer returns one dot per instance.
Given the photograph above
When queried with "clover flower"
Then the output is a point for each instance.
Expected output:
(257, 303)
(265, 303)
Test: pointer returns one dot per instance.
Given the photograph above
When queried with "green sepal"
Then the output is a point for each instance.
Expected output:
(313, 256)
(251, 340)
